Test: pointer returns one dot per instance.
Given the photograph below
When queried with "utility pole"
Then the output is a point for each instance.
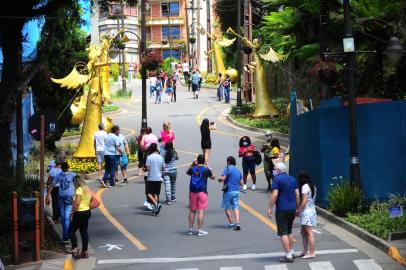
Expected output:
(124, 83)
(193, 33)
(143, 70)
(208, 29)
(188, 42)
(20, 139)
(239, 62)
(198, 36)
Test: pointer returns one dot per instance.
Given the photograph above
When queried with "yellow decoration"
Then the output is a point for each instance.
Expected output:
(95, 74)
(108, 124)
(233, 73)
(264, 105)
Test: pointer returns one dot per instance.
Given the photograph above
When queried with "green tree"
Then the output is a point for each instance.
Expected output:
(66, 49)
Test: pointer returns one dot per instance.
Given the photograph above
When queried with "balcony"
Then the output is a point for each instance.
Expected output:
(164, 21)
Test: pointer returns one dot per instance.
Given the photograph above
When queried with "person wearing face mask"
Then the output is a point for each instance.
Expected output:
(65, 197)
(246, 151)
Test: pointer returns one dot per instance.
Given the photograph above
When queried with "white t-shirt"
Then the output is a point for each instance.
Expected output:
(155, 164)
(99, 138)
(185, 67)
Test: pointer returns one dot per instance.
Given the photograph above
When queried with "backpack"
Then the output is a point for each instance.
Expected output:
(258, 157)
(197, 184)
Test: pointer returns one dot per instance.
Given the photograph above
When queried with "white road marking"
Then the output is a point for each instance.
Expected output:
(276, 267)
(217, 257)
(317, 231)
(111, 247)
(231, 268)
(368, 264)
(321, 266)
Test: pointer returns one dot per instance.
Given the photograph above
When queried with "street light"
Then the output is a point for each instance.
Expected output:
(239, 62)
(393, 51)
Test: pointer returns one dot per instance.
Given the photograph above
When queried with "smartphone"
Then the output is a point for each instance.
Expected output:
(212, 123)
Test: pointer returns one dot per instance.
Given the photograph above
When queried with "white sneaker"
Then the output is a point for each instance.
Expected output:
(201, 233)
(148, 206)
(253, 187)
(244, 188)
(190, 232)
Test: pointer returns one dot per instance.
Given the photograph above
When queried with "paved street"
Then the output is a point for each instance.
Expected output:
(124, 236)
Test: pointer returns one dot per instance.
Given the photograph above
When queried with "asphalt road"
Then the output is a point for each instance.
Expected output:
(124, 236)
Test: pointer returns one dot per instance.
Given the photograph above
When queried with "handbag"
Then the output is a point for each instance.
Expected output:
(258, 157)
(123, 160)
(225, 186)
(94, 201)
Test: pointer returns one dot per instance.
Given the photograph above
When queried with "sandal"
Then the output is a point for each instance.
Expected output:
(83, 255)
(309, 256)
(302, 254)
(74, 252)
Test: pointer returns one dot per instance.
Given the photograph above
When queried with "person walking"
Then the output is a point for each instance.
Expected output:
(246, 151)
(111, 151)
(123, 158)
(158, 91)
(65, 198)
(232, 181)
(175, 79)
(80, 217)
(194, 79)
(154, 166)
(285, 194)
(199, 173)
(167, 134)
(170, 156)
(60, 157)
(307, 214)
(99, 147)
(270, 154)
(140, 152)
(185, 69)
(148, 139)
(152, 83)
(169, 90)
(227, 88)
(200, 78)
(205, 142)
(220, 87)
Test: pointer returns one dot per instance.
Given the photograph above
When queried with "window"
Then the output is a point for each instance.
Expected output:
(173, 8)
(175, 32)
(167, 53)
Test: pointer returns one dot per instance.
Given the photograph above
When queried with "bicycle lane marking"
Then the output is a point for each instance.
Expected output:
(243, 204)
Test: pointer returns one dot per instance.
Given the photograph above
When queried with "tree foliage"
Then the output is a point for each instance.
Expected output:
(67, 48)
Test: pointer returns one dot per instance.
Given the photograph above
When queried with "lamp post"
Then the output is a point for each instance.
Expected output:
(349, 50)
(239, 102)
(143, 70)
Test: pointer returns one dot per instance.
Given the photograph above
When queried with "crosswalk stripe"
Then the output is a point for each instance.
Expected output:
(276, 267)
(231, 268)
(321, 266)
(368, 264)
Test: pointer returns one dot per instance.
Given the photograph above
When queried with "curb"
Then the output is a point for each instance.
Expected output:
(379, 243)
(277, 134)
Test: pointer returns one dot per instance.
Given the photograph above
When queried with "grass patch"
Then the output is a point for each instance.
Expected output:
(110, 108)
(278, 124)
(121, 94)
(377, 221)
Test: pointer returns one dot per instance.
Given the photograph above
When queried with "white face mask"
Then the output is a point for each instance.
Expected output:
(245, 143)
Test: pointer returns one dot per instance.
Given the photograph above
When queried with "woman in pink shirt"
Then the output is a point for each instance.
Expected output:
(167, 134)
(148, 138)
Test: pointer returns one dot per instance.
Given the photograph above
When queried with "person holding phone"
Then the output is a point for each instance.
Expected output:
(205, 129)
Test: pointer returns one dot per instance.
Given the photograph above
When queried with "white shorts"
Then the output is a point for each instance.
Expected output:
(100, 156)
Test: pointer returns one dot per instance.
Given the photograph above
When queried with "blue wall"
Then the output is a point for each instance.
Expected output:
(319, 143)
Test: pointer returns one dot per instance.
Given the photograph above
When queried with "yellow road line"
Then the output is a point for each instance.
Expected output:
(132, 131)
(117, 224)
(248, 208)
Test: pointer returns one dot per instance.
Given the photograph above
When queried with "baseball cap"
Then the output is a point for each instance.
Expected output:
(268, 133)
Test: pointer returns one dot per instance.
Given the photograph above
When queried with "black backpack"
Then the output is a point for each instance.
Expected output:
(258, 157)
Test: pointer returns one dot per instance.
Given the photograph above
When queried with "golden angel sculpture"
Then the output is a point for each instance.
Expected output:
(263, 101)
(94, 74)
(218, 42)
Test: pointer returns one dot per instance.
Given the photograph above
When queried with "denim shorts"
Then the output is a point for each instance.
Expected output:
(230, 200)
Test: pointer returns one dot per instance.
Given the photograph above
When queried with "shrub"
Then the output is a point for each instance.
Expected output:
(344, 197)
(377, 220)
(115, 71)
(211, 78)
(167, 64)
(72, 132)
(122, 94)
(133, 145)
(82, 165)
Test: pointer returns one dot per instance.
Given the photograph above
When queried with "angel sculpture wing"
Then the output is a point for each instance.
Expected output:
(76, 78)
(271, 56)
(225, 42)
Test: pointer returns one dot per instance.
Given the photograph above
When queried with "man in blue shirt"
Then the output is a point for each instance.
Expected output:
(111, 151)
(285, 194)
(232, 179)
(65, 197)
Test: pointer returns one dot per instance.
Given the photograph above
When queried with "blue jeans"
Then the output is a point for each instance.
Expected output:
(110, 168)
(157, 96)
(220, 92)
(65, 205)
(227, 95)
